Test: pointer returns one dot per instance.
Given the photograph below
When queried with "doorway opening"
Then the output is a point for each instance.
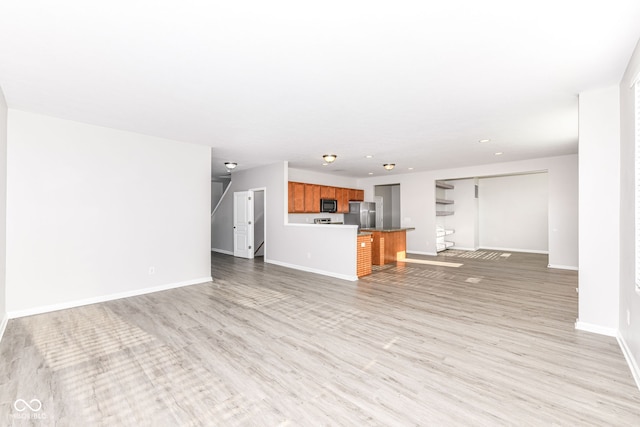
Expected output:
(388, 197)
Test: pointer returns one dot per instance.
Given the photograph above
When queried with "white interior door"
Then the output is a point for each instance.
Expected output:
(243, 224)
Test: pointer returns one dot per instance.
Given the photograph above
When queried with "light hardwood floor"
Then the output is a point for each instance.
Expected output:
(489, 343)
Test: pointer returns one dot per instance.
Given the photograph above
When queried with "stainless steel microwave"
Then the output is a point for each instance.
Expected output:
(328, 205)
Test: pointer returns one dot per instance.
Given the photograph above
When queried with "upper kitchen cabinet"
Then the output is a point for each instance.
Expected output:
(356, 195)
(327, 192)
(311, 198)
(296, 197)
(305, 198)
(342, 196)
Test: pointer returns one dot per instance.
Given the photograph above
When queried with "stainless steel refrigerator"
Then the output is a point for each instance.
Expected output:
(362, 214)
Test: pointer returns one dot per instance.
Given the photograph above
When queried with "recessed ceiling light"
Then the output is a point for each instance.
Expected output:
(484, 140)
(410, 169)
(325, 164)
(499, 153)
(368, 156)
(370, 173)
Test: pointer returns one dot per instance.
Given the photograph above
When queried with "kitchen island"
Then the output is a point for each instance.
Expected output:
(389, 244)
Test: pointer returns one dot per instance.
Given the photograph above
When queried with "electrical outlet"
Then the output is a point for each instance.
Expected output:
(152, 270)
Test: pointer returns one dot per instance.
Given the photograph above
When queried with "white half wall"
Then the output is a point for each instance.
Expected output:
(629, 304)
(3, 212)
(513, 212)
(599, 277)
(418, 207)
(95, 213)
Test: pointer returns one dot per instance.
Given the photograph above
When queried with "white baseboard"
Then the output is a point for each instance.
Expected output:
(78, 303)
(3, 325)
(222, 251)
(528, 251)
(313, 270)
(423, 253)
(596, 329)
(459, 248)
(631, 361)
(563, 267)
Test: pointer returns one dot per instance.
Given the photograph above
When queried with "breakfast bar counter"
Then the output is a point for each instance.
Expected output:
(389, 244)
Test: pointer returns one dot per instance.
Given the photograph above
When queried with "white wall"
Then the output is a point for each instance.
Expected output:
(629, 303)
(418, 207)
(330, 179)
(91, 209)
(323, 249)
(3, 211)
(599, 210)
(513, 213)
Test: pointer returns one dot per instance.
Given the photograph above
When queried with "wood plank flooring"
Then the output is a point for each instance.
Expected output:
(491, 342)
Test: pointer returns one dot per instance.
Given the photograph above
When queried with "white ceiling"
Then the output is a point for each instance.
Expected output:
(416, 83)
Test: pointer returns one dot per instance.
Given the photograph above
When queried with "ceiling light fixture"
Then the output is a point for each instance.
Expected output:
(499, 153)
(389, 166)
(368, 156)
(484, 140)
(329, 158)
(230, 165)
(370, 173)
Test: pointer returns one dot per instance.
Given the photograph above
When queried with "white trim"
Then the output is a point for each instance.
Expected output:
(105, 298)
(313, 270)
(528, 251)
(596, 329)
(563, 267)
(222, 251)
(628, 355)
(3, 325)
(422, 253)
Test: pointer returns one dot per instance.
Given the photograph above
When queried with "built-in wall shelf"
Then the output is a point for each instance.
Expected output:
(440, 232)
(446, 186)
(444, 208)
(441, 246)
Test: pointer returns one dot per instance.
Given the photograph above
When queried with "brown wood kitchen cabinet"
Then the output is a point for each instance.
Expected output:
(327, 192)
(296, 197)
(311, 198)
(356, 195)
(305, 198)
(342, 196)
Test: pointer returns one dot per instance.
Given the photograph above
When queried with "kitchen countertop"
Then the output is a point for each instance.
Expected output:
(388, 230)
(364, 233)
